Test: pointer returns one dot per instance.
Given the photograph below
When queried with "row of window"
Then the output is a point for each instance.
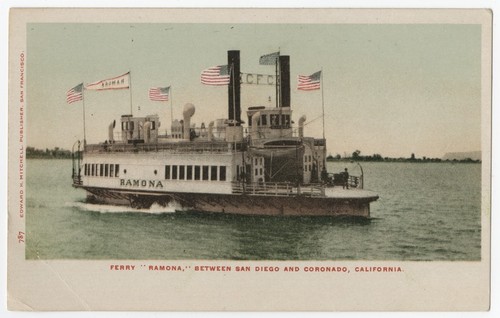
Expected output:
(101, 170)
(276, 121)
(212, 173)
(259, 161)
(129, 125)
(259, 171)
(172, 172)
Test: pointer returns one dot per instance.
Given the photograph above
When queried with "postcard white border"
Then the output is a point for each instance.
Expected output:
(465, 267)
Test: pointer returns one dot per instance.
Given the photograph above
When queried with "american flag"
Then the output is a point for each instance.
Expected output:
(269, 59)
(75, 94)
(216, 75)
(159, 94)
(309, 83)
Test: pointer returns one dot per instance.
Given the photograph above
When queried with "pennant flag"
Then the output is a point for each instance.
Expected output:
(75, 94)
(269, 59)
(119, 82)
(309, 83)
(159, 94)
(216, 75)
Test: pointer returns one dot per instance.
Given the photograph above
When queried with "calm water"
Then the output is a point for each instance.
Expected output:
(426, 211)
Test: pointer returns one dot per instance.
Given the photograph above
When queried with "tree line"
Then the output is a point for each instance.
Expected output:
(55, 153)
(356, 156)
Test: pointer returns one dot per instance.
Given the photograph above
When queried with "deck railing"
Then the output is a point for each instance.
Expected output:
(338, 179)
(180, 147)
(76, 157)
(77, 180)
(277, 189)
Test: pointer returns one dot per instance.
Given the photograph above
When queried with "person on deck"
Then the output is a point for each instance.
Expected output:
(346, 179)
(324, 176)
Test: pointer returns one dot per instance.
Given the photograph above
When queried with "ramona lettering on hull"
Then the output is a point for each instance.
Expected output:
(138, 183)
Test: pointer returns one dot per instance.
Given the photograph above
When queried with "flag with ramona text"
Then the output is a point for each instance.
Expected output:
(118, 82)
(159, 94)
(310, 82)
(75, 94)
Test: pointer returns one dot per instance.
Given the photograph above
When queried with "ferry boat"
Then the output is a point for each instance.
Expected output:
(268, 167)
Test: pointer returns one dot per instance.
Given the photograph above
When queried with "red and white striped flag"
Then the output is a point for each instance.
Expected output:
(118, 82)
(216, 76)
(75, 94)
(159, 94)
(309, 83)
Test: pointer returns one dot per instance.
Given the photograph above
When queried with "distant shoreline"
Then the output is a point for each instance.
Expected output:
(466, 157)
(407, 160)
(56, 153)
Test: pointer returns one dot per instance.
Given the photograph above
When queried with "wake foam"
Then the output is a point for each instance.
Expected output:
(172, 207)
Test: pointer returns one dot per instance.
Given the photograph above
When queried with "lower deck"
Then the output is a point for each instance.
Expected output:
(340, 202)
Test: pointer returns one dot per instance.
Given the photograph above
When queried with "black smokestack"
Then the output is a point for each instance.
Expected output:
(234, 108)
(285, 81)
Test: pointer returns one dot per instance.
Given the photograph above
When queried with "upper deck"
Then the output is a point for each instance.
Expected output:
(172, 147)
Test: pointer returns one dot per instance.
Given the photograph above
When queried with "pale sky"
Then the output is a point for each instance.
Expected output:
(388, 89)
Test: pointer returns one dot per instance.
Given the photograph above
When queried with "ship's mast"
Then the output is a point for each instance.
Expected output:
(278, 93)
(322, 103)
(277, 63)
(84, 134)
(130, 89)
(171, 108)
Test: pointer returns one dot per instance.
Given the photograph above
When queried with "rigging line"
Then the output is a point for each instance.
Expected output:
(313, 120)
(305, 124)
